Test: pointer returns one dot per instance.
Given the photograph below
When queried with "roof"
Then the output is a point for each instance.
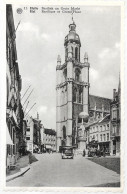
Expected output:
(49, 131)
(105, 119)
(99, 102)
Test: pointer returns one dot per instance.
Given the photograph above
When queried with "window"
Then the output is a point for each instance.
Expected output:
(104, 137)
(114, 129)
(75, 95)
(27, 138)
(100, 137)
(28, 129)
(76, 53)
(97, 137)
(96, 128)
(100, 128)
(65, 73)
(114, 114)
(80, 96)
(93, 129)
(107, 136)
(77, 74)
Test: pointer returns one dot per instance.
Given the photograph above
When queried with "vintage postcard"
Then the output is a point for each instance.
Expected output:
(64, 96)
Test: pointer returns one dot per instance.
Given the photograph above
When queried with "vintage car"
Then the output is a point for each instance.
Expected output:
(67, 152)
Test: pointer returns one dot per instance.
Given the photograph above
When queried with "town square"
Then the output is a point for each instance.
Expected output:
(63, 96)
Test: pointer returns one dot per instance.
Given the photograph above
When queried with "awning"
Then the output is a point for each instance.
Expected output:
(8, 137)
(48, 146)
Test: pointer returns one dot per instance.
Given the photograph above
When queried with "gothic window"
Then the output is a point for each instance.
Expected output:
(65, 73)
(75, 95)
(76, 53)
(64, 132)
(80, 96)
(66, 53)
(72, 51)
(77, 74)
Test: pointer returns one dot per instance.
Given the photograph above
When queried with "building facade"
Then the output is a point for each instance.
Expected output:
(49, 140)
(29, 134)
(99, 134)
(33, 134)
(115, 122)
(72, 89)
(14, 110)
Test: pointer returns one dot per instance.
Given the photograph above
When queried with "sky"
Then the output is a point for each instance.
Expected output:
(40, 39)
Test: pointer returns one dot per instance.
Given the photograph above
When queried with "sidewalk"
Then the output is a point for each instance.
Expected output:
(22, 166)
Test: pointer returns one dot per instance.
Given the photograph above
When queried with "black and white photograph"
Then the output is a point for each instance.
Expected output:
(63, 96)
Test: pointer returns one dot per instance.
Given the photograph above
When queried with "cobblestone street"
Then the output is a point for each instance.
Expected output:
(51, 171)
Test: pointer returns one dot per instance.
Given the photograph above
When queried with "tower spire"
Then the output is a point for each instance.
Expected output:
(73, 18)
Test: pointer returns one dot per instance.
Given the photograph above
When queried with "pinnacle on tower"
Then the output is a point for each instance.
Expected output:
(58, 58)
(86, 57)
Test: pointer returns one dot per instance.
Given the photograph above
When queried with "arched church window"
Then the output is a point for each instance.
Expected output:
(75, 95)
(77, 75)
(76, 53)
(65, 73)
(72, 51)
(66, 53)
(64, 132)
(80, 96)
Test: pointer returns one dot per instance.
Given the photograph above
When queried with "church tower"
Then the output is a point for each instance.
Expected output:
(72, 89)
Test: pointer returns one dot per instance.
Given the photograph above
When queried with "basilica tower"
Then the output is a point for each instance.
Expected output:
(72, 89)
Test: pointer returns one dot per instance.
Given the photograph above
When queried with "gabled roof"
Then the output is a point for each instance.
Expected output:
(105, 119)
(99, 102)
(49, 131)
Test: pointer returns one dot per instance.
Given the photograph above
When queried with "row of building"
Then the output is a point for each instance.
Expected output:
(22, 133)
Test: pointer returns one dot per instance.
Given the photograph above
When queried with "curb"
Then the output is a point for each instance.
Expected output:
(16, 175)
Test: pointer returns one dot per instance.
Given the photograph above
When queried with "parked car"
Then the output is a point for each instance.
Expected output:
(67, 152)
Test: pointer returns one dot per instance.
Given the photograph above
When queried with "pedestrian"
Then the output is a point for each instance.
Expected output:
(104, 151)
(84, 153)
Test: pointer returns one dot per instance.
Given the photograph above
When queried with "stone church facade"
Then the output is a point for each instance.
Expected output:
(72, 92)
